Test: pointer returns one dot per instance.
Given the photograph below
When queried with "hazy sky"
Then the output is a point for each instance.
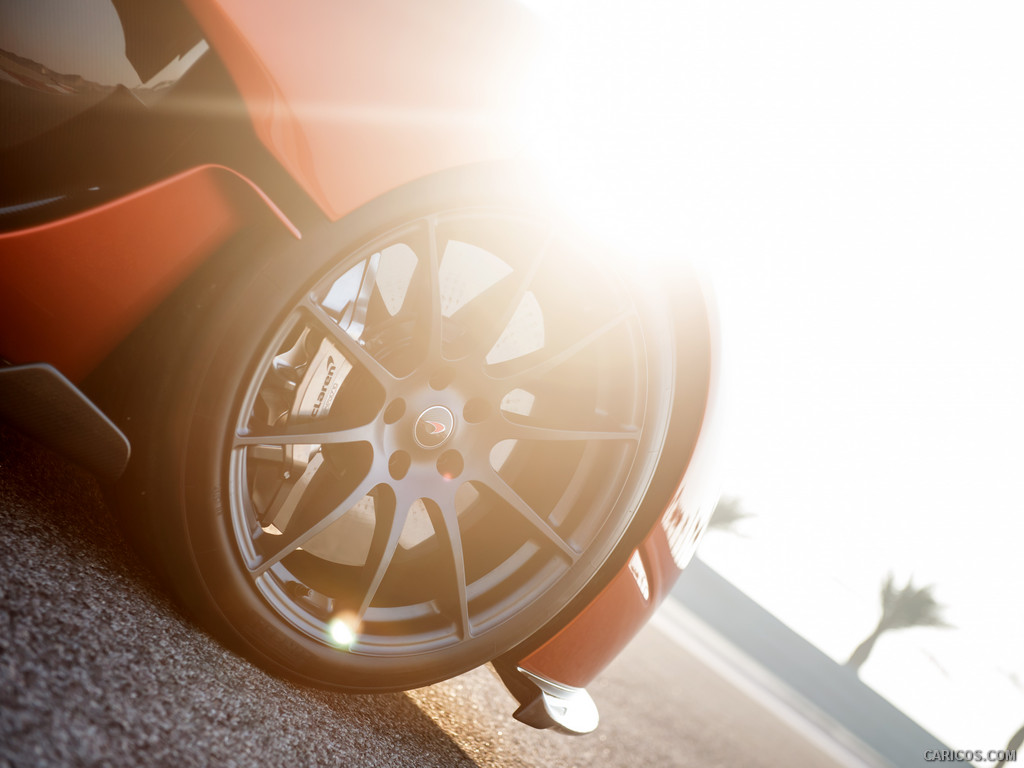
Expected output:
(852, 180)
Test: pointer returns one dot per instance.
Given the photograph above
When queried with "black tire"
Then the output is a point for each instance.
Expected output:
(284, 414)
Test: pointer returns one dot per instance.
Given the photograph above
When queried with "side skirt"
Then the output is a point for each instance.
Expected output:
(40, 402)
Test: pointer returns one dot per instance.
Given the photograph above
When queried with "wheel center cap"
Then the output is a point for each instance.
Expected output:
(433, 427)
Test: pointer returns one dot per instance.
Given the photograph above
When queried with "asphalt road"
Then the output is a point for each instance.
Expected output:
(98, 667)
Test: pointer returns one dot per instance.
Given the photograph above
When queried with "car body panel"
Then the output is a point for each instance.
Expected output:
(591, 640)
(73, 288)
(357, 98)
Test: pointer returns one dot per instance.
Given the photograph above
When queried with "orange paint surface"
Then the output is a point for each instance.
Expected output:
(589, 642)
(73, 288)
(357, 98)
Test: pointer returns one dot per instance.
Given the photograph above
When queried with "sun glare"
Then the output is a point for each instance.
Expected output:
(603, 126)
(849, 178)
(342, 634)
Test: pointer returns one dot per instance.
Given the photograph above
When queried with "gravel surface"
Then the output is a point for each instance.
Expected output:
(98, 668)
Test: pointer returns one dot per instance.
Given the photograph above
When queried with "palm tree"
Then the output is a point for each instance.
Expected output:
(727, 513)
(901, 608)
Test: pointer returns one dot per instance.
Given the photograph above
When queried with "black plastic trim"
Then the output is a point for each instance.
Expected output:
(39, 401)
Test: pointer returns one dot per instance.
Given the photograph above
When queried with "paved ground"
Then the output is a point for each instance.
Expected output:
(97, 667)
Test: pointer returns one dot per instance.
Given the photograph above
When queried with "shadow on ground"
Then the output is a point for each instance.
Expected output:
(97, 665)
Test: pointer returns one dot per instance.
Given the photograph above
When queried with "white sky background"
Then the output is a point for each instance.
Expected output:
(851, 178)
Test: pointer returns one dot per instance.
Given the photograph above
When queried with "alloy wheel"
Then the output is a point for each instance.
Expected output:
(453, 425)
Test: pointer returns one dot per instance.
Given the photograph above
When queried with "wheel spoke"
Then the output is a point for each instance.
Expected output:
(535, 370)
(287, 497)
(305, 434)
(446, 526)
(386, 533)
(350, 347)
(422, 303)
(506, 493)
(488, 314)
(433, 320)
(522, 431)
(354, 317)
(577, 484)
(312, 517)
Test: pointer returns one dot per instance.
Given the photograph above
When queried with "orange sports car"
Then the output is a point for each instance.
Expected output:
(373, 409)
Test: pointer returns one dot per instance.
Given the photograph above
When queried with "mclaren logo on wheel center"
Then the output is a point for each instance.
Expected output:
(433, 427)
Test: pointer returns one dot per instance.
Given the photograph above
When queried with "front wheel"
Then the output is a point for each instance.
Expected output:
(396, 449)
